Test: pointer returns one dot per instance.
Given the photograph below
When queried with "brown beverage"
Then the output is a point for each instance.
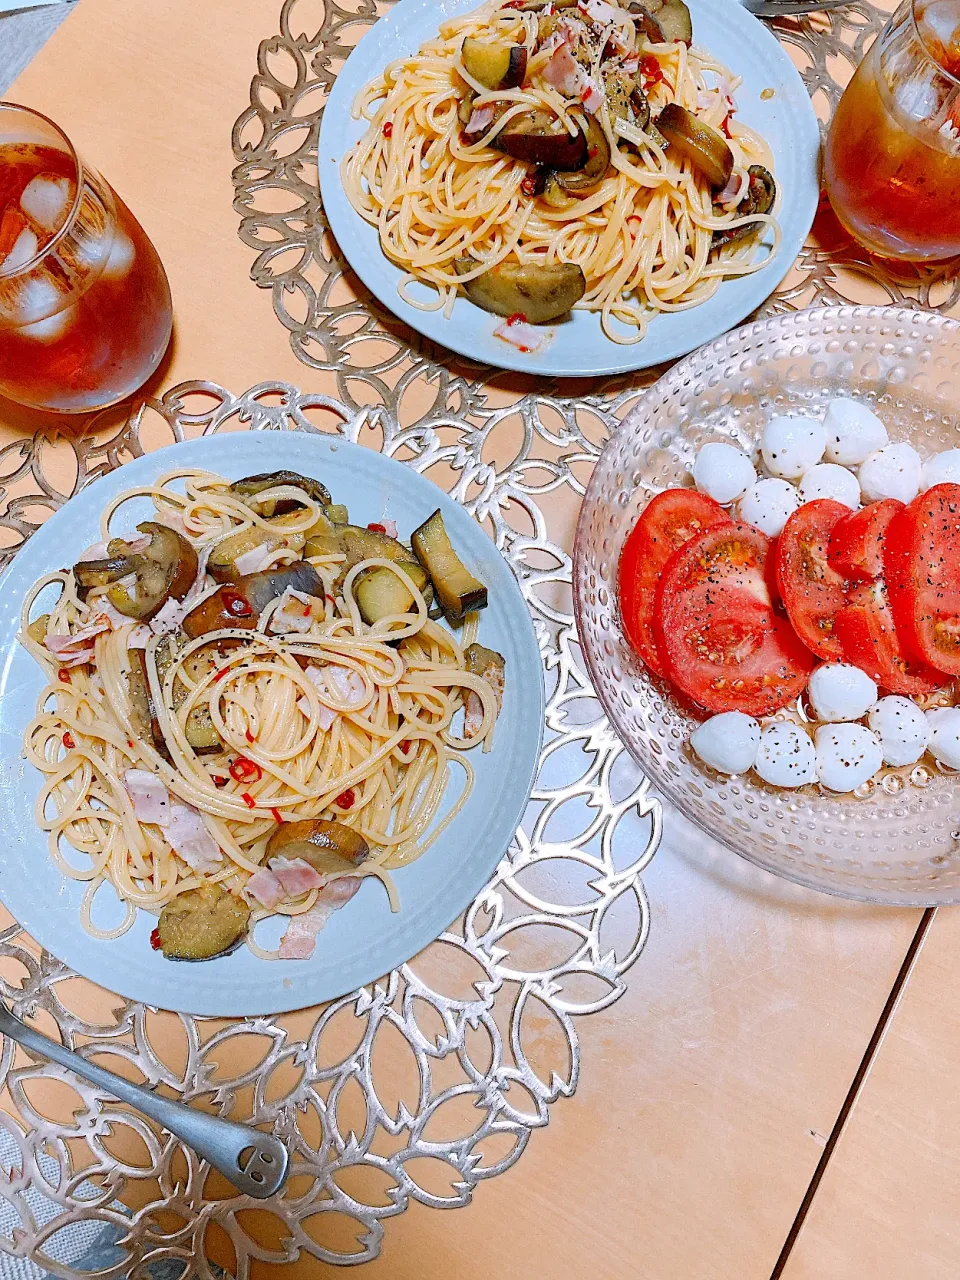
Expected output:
(892, 158)
(85, 309)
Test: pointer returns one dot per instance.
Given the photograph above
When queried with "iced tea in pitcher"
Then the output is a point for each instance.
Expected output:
(85, 310)
(892, 157)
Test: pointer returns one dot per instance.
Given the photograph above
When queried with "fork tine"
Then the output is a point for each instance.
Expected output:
(791, 8)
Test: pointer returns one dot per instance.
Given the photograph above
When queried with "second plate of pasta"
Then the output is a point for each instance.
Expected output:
(457, 190)
(223, 715)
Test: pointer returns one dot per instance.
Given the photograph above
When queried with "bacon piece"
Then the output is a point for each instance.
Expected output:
(300, 939)
(75, 650)
(296, 876)
(346, 685)
(264, 886)
(189, 837)
(479, 122)
(339, 892)
(150, 798)
(525, 337)
(295, 612)
(255, 560)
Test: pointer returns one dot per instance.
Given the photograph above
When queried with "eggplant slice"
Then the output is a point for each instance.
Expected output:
(760, 197)
(494, 64)
(250, 486)
(202, 923)
(458, 591)
(539, 137)
(328, 847)
(240, 603)
(540, 292)
(704, 147)
(164, 570)
(598, 160)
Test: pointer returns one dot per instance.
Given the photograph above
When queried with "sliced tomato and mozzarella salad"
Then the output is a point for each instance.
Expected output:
(835, 573)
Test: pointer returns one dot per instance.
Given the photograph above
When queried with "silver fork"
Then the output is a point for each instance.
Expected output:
(790, 8)
(222, 1143)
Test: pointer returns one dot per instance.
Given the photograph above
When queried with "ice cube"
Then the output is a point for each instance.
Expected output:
(37, 298)
(938, 23)
(46, 200)
(918, 98)
(50, 329)
(121, 257)
(24, 249)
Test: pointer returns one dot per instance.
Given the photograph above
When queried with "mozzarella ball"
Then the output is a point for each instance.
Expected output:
(942, 468)
(827, 480)
(841, 692)
(791, 446)
(944, 743)
(853, 432)
(847, 755)
(786, 757)
(891, 472)
(723, 472)
(727, 742)
(902, 728)
(768, 504)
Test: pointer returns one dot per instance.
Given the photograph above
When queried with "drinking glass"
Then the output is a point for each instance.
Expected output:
(892, 158)
(85, 309)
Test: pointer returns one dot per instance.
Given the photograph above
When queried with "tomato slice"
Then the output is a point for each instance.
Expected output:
(857, 541)
(812, 591)
(922, 567)
(721, 640)
(870, 641)
(667, 522)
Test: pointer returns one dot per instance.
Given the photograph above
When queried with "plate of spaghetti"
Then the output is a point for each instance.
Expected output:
(283, 723)
(569, 187)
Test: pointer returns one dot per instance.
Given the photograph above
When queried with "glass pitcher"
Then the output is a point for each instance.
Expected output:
(892, 157)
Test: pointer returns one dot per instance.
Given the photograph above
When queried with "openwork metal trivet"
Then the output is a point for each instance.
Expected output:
(483, 1019)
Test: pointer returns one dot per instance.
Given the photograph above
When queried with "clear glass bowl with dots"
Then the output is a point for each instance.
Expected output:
(897, 840)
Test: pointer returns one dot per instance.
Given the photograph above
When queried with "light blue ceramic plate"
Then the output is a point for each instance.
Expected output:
(364, 940)
(578, 347)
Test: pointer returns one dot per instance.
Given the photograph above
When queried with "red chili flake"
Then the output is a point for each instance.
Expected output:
(650, 66)
(68, 741)
(63, 675)
(329, 597)
(591, 152)
(517, 318)
(346, 798)
(155, 939)
(387, 130)
(221, 674)
(249, 736)
(529, 185)
(278, 816)
(219, 781)
(248, 800)
(404, 747)
(377, 528)
(236, 605)
(244, 770)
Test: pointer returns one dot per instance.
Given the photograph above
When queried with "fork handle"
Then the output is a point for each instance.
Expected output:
(220, 1142)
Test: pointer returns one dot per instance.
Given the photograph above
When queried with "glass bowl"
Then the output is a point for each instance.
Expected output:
(897, 840)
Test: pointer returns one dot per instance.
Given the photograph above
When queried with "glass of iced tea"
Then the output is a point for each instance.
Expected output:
(85, 310)
(892, 158)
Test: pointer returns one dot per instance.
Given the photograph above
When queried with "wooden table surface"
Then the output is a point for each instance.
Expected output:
(743, 1069)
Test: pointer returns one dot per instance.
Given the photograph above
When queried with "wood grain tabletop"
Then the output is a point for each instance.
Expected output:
(743, 1068)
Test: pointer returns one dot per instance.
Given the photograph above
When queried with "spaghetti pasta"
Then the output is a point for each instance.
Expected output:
(179, 749)
(650, 232)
